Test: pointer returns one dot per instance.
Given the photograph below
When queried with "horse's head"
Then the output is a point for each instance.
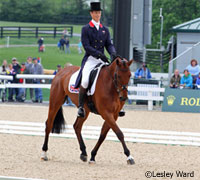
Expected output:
(121, 76)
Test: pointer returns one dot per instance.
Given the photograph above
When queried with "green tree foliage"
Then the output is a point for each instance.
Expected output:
(174, 12)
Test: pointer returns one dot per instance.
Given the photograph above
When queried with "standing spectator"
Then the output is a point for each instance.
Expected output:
(79, 47)
(37, 69)
(186, 80)
(58, 69)
(67, 46)
(11, 72)
(21, 94)
(175, 79)
(3, 71)
(143, 72)
(65, 33)
(40, 44)
(29, 65)
(16, 68)
(62, 43)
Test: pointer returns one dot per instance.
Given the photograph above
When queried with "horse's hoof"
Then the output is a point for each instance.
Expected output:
(92, 162)
(83, 158)
(44, 156)
(130, 160)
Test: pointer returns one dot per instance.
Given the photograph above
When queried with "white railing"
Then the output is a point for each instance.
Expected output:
(150, 94)
(153, 93)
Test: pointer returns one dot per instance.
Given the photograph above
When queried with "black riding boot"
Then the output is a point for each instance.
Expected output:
(81, 99)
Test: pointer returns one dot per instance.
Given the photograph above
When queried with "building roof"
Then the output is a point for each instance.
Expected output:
(190, 26)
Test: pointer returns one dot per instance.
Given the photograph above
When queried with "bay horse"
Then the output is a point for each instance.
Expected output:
(109, 98)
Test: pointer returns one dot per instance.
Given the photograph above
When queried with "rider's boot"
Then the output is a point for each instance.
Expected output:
(81, 99)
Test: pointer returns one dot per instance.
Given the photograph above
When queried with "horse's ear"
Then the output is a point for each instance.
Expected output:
(117, 61)
(130, 62)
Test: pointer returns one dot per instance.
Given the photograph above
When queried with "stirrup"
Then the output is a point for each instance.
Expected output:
(121, 113)
(81, 112)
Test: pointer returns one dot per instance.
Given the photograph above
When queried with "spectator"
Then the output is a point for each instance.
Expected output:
(198, 82)
(40, 44)
(186, 80)
(16, 68)
(143, 72)
(29, 65)
(80, 47)
(37, 69)
(62, 43)
(67, 46)
(58, 69)
(21, 94)
(65, 33)
(3, 71)
(193, 68)
(175, 79)
(11, 72)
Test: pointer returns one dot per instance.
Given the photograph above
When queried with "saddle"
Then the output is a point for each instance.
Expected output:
(91, 85)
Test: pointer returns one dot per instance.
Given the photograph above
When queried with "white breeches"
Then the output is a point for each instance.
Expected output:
(89, 65)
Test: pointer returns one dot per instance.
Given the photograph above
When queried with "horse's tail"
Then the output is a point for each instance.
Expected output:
(59, 122)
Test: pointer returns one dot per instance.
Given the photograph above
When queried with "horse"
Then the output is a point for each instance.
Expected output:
(108, 101)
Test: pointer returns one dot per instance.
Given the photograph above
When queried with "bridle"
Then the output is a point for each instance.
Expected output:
(120, 87)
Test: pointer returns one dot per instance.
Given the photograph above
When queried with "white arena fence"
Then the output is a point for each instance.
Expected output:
(152, 93)
(93, 132)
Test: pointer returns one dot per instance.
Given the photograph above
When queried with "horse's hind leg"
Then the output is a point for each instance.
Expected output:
(54, 107)
(104, 130)
(78, 127)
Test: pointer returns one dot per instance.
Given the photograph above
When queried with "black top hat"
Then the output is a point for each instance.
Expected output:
(95, 6)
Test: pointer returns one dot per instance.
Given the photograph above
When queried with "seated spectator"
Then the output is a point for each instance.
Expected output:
(186, 80)
(143, 72)
(175, 79)
(58, 69)
(194, 69)
(198, 82)
(37, 69)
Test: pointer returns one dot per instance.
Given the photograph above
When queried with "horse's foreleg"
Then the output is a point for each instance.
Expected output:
(113, 125)
(78, 127)
(104, 130)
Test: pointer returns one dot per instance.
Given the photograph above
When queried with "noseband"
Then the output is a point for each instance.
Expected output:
(120, 87)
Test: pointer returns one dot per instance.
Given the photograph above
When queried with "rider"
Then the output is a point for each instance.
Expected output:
(94, 37)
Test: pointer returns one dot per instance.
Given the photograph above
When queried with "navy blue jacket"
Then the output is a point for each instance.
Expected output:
(94, 41)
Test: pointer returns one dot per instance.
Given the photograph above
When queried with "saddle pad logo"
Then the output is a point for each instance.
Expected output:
(103, 32)
(73, 89)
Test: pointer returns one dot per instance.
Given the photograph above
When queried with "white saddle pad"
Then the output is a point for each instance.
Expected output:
(72, 81)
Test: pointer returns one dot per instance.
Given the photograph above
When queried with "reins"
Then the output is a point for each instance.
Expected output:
(119, 87)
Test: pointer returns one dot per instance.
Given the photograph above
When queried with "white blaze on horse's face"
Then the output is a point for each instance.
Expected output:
(96, 15)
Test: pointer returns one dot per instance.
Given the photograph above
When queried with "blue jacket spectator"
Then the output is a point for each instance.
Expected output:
(186, 80)
(143, 72)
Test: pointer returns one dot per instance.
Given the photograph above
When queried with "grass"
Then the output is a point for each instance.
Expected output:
(50, 58)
